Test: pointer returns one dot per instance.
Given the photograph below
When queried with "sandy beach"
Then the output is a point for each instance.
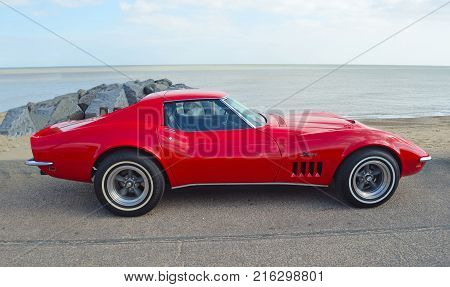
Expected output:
(430, 133)
(14, 147)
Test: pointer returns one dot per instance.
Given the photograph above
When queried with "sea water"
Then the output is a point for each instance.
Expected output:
(355, 91)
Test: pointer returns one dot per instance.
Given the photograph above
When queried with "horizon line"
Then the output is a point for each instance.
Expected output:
(178, 65)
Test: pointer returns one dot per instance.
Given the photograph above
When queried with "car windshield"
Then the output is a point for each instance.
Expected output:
(256, 119)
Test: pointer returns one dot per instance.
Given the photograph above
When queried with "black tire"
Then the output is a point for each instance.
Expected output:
(357, 182)
(144, 185)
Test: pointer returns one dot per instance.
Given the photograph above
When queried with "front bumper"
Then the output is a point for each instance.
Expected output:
(32, 162)
(425, 158)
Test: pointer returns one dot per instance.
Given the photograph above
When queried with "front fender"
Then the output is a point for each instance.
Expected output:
(407, 153)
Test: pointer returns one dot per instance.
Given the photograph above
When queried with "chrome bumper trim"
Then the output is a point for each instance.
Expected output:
(32, 162)
(425, 158)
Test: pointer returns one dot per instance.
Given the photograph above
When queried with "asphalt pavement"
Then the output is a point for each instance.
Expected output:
(50, 222)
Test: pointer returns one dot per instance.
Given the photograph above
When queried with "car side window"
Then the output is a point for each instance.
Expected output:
(201, 115)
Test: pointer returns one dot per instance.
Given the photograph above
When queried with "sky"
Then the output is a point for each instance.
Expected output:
(176, 32)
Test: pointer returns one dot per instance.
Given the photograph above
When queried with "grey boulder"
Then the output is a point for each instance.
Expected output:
(73, 97)
(89, 95)
(110, 99)
(59, 109)
(179, 87)
(146, 82)
(149, 86)
(81, 93)
(17, 122)
(162, 85)
(41, 112)
(66, 109)
(133, 91)
(82, 104)
(165, 82)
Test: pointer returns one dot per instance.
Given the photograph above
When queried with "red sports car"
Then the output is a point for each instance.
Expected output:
(176, 139)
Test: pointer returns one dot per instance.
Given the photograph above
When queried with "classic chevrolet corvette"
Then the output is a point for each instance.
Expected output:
(175, 139)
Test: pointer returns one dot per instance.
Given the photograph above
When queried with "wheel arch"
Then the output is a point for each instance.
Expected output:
(138, 150)
(384, 148)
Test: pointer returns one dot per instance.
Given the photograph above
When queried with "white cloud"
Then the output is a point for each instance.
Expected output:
(291, 6)
(64, 3)
(139, 7)
(76, 3)
(287, 31)
(200, 16)
(299, 11)
(18, 2)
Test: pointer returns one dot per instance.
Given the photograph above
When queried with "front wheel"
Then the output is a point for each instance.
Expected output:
(128, 184)
(368, 177)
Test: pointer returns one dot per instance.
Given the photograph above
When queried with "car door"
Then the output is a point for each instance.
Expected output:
(206, 142)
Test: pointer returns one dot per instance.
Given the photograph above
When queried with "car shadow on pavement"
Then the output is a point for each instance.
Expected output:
(45, 195)
(308, 197)
(77, 198)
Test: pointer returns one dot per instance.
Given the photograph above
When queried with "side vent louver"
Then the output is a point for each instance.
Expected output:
(308, 169)
(303, 169)
(311, 168)
(319, 168)
(294, 168)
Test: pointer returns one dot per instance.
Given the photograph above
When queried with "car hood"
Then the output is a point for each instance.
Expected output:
(311, 122)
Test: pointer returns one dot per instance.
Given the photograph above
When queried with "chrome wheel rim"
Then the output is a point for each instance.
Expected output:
(128, 185)
(372, 180)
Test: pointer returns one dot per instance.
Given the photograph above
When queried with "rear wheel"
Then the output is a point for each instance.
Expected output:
(368, 177)
(129, 184)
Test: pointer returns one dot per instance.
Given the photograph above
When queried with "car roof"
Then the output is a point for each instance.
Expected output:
(183, 95)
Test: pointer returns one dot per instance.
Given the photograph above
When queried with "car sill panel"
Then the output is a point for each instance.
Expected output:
(249, 183)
